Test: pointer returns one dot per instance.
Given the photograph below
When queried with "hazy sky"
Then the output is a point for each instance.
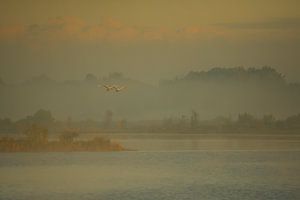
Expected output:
(149, 40)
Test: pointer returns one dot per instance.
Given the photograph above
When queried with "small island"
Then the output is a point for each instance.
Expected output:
(36, 140)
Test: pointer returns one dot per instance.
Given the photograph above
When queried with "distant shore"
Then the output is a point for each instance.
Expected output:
(22, 145)
(160, 142)
(105, 142)
(213, 141)
(36, 139)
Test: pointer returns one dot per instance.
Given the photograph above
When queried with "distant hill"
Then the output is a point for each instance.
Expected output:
(236, 74)
(216, 92)
(228, 91)
(40, 80)
(80, 99)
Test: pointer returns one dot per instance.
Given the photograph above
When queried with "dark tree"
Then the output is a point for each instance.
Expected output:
(68, 136)
(108, 119)
(268, 120)
(7, 126)
(246, 120)
(116, 75)
(43, 117)
(194, 119)
(90, 78)
(36, 134)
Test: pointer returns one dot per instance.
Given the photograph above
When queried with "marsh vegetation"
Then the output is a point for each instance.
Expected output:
(36, 140)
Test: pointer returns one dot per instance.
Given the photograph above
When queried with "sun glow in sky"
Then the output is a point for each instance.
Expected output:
(151, 39)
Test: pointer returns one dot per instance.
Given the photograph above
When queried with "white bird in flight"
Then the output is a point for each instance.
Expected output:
(112, 87)
(118, 89)
(107, 87)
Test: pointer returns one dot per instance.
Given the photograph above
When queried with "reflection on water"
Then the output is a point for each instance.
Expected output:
(151, 175)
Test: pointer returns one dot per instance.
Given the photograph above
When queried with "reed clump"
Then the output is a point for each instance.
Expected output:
(36, 140)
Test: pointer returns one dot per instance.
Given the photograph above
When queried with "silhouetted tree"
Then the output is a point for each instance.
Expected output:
(268, 120)
(183, 122)
(293, 121)
(194, 119)
(122, 124)
(246, 120)
(90, 78)
(43, 117)
(168, 123)
(264, 74)
(36, 134)
(115, 75)
(68, 136)
(7, 126)
(108, 118)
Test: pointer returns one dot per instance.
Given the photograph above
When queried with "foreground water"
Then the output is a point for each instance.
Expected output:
(160, 175)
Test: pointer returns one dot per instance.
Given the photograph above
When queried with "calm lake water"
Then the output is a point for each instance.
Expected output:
(156, 175)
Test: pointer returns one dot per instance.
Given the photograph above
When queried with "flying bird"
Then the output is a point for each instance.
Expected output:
(118, 89)
(107, 87)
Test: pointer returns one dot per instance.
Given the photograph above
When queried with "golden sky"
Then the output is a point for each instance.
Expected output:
(171, 36)
(150, 12)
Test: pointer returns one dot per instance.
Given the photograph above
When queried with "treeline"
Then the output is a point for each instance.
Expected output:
(45, 119)
(89, 78)
(36, 140)
(241, 74)
(243, 123)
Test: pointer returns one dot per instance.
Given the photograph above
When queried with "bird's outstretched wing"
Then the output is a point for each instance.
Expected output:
(106, 87)
(118, 89)
(121, 88)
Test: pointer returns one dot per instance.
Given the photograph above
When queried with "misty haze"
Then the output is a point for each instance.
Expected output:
(154, 100)
(216, 92)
